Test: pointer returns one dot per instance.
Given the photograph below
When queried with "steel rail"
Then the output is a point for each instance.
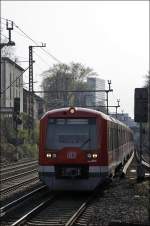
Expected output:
(4, 190)
(18, 170)
(24, 218)
(124, 171)
(144, 163)
(17, 176)
(72, 220)
(81, 209)
(7, 208)
(116, 223)
(17, 165)
(34, 211)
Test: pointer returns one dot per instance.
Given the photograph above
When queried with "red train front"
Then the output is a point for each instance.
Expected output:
(73, 150)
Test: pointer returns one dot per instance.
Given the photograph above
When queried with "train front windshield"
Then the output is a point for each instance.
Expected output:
(71, 133)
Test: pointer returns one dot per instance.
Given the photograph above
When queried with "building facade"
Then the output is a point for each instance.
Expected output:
(11, 87)
(95, 98)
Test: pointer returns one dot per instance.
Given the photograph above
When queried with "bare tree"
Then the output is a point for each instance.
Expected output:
(8, 51)
(65, 77)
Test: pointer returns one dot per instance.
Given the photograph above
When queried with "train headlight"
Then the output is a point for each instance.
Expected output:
(89, 156)
(54, 155)
(72, 110)
(48, 155)
(95, 156)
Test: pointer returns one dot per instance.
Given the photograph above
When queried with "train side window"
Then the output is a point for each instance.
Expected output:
(124, 137)
(115, 136)
(113, 131)
(109, 139)
(112, 138)
(119, 136)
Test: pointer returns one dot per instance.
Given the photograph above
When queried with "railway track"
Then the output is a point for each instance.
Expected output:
(6, 208)
(144, 163)
(10, 213)
(53, 209)
(17, 184)
(17, 169)
(66, 210)
(13, 164)
(17, 177)
(73, 209)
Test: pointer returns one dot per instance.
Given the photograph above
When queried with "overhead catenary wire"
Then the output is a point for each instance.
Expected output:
(34, 50)
(27, 36)
(5, 19)
(1, 30)
(5, 36)
(115, 97)
(23, 34)
(37, 44)
(40, 69)
(118, 102)
(15, 30)
(2, 22)
(41, 58)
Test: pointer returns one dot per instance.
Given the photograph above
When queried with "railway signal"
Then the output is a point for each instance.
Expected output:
(141, 105)
(16, 105)
(140, 115)
(16, 115)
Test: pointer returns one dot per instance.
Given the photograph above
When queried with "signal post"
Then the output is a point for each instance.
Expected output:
(140, 116)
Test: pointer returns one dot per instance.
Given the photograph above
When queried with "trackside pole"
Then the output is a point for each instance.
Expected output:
(140, 168)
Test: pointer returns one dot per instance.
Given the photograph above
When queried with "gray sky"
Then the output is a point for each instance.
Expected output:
(112, 37)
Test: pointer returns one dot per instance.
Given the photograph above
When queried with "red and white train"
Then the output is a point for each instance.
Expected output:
(79, 147)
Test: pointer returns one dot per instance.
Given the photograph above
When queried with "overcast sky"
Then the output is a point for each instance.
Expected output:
(112, 37)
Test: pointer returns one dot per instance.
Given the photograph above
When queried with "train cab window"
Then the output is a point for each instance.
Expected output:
(72, 132)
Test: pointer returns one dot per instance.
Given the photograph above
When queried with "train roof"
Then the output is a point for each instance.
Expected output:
(88, 110)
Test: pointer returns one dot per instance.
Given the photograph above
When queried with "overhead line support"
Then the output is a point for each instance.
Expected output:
(107, 91)
(117, 106)
(31, 89)
(10, 43)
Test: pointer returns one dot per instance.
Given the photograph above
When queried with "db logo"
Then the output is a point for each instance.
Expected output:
(71, 155)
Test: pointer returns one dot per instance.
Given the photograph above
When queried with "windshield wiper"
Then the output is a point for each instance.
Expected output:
(85, 142)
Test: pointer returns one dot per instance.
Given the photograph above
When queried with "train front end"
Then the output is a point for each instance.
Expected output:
(70, 150)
